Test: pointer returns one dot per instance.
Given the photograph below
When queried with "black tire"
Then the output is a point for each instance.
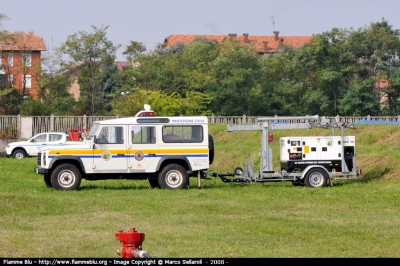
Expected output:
(65, 177)
(238, 171)
(19, 154)
(154, 183)
(46, 178)
(210, 149)
(316, 178)
(173, 176)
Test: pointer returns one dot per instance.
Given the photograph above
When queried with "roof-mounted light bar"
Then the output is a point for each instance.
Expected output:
(147, 112)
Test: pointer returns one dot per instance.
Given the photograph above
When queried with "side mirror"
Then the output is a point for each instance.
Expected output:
(94, 140)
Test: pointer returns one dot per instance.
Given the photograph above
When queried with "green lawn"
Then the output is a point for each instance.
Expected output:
(265, 220)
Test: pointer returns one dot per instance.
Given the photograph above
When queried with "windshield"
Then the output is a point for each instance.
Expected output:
(93, 131)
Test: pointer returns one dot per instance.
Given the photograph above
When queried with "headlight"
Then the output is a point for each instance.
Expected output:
(44, 159)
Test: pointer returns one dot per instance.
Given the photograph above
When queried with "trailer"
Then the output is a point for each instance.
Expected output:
(311, 161)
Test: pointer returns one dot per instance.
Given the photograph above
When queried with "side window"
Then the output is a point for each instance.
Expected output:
(40, 138)
(26, 59)
(10, 59)
(55, 137)
(10, 81)
(111, 135)
(27, 81)
(143, 135)
(187, 134)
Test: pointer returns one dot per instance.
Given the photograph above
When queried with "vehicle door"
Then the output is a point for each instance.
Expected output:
(143, 148)
(110, 154)
(36, 144)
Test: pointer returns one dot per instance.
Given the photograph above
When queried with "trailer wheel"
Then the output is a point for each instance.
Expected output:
(316, 178)
(65, 177)
(154, 183)
(46, 178)
(238, 171)
(19, 154)
(173, 176)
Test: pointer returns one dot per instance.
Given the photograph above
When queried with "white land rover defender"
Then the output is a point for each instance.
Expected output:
(164, 150)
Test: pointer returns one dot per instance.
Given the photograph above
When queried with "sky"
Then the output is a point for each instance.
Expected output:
(151, 21)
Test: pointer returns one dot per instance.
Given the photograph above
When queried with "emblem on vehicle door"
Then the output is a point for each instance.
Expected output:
(139, 155)
(106, 155)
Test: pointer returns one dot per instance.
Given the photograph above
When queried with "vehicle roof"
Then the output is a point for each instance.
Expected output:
(50, 132)
(172, 120)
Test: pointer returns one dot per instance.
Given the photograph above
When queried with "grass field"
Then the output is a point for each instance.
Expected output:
(352, 219)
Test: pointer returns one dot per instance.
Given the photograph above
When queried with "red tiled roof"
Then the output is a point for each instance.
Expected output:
(123, 64)
(23, 41)
(382, 84)
(260, 41)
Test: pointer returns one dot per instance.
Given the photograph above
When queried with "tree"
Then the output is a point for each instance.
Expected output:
(162, 104)
(133, 50)
(54, 85)
(9, 96)
(358, 100)
(108, 84)
(236, 70)
(93, 49)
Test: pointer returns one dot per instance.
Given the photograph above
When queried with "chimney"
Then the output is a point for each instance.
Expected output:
(245, 37)
(276, 35)
(232, 36)
(280, 43)
(265, 46)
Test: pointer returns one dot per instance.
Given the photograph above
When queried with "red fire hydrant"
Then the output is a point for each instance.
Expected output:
(131, 244)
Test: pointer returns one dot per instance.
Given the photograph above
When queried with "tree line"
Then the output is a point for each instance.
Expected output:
(337, 73)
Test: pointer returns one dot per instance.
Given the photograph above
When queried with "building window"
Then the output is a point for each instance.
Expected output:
(10, 59)
(27, 81)
(26, 59)
(10, 81)
(2, 67)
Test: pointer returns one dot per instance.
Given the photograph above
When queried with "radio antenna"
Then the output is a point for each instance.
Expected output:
(273, 23)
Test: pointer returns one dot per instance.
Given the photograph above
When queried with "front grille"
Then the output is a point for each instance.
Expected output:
(39, 159)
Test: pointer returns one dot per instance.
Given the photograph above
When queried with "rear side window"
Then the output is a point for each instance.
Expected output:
(55, 137)
(40, 138)
(143, 135)
(178, 134)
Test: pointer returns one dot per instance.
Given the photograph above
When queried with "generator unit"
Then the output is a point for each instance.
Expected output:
(296, 153)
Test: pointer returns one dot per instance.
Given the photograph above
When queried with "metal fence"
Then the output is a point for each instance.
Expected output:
(10, 126)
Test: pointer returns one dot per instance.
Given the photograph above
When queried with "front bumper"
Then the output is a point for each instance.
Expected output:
(40, 170)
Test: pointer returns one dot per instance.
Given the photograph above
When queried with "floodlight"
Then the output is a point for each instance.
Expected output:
(350, 125)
